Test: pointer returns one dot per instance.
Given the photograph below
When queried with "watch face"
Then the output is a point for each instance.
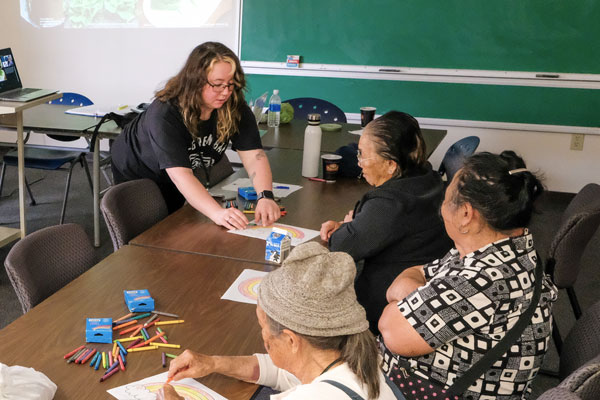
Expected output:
(267, 194)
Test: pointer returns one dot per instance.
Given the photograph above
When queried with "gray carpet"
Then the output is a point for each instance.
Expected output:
(48, 190)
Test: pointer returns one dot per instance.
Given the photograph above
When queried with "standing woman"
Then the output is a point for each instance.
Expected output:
(189, 126)
(396, 225)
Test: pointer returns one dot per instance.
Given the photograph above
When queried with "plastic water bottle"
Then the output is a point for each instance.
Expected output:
(274, 109)
(312, 147)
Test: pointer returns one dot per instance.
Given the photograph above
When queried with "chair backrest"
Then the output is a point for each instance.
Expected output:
(456, 154)
(558, 393)
(581, 384)
(70, 99)
(308, 105)
(579, 223)
(582, 342)
(130, 208)
(46, 260)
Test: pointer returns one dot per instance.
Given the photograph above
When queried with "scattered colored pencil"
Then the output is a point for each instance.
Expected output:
(88, 356)
(173, 346)
(129, 339)
(164, 360)
(69, 354)
(137, 331)
(121, 326)
(144, 348)
(121, 347)
(166, 314)
(121, 363)
(124, 317)
(75, 356)
(141, 316)
(130, 329)
(109, 374)
(170, 355)
(176, 321)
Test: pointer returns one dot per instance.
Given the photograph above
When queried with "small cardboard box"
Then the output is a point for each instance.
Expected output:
(138, 300)
(98, 330)
(278, 246)
(292, 61)
(247, 193)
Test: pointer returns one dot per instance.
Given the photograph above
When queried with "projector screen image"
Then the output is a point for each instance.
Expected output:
(128, 13)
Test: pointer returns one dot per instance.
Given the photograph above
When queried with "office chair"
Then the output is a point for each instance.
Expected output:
(308, 105)
(52, 158)
(579, 223)
(579, 364)
(456, 154)
(129, 208)
(46, 260)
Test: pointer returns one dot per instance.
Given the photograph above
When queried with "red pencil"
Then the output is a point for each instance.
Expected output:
(133, 328)
(121, 363)
(85, 353)
(124, 325)
(69, 354)
(317, 179)
(86, 358)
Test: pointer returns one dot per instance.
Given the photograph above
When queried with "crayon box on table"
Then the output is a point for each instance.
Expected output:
(247, 193)
(278, 246)
(98, 330)
(138, 300)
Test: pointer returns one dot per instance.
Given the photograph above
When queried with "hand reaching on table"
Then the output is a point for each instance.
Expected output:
(267, 211)
(190, 365)
(230, 218)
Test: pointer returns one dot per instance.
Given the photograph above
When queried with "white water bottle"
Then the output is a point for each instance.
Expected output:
(312, 147)
(274, 110)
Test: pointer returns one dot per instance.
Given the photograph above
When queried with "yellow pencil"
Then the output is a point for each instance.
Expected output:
(114, 350)
(177, 321)
(173, 346)
(142, 348)
(129, 339)
(104, 359)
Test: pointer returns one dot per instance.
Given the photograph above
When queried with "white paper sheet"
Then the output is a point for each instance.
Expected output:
(245, 288)
(279, 189)
(146, 389)
(298, 235)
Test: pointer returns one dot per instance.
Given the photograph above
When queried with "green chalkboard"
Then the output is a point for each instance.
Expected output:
(506, 35)
(517, 104)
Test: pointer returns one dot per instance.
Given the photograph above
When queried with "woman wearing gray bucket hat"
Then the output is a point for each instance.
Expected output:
(315, 333)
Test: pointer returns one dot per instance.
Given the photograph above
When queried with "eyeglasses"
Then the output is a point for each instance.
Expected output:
(360, 158)
(222, 86)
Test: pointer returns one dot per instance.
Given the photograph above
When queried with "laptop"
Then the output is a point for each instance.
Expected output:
(11, 88)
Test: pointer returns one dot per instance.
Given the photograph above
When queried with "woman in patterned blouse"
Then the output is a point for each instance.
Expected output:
(444, 316)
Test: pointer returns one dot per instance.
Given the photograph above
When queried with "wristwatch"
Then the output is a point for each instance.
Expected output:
(265, 194)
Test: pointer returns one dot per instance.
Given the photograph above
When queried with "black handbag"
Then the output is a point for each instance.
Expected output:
(414, 387)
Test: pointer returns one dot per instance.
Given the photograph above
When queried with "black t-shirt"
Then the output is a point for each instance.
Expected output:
(158, 139)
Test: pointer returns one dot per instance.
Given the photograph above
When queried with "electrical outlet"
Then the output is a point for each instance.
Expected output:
(577, 141)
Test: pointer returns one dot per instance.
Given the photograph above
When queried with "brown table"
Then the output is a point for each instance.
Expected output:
(291, 136)
(190, 285)
(188, 230)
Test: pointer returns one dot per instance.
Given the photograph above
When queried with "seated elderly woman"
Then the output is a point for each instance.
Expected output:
(396, 225)
(445, 316)
(315, 333)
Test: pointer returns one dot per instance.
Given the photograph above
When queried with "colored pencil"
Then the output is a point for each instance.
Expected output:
(104, 360)
(88, 356)
(114, 349)
(134, 343)
(82, 356)
(164, 360)
(121, 363)
(75, 356)
(170, 355)
(121, 347)
(69, 354)
(317, 179)
(176, 321)
(160, 331)
(137, 331)
(133, 321)
(109, 374)
(129, 339)
(130, 329)
(152, 318)
(110, 359)
(93, 360)
(124, 317)
(144, 348)
(113, 366)
(98, 361)
(173, 346)
(141, 316)
(162, 339)
(166, 314)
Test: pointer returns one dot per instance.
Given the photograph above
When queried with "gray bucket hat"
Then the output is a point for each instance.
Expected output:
(313, 293)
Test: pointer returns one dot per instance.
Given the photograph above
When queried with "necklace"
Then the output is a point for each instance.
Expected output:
(337, 360)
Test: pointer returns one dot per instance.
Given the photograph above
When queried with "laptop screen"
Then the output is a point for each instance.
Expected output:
(9, 76)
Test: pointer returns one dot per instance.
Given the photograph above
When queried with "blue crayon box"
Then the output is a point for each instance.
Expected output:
(98, 330)
(278, 245)
(247, 193)
(138, 300)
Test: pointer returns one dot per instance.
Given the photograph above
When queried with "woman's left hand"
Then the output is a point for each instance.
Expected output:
(267, 211)
(349, 217)
(168, 393)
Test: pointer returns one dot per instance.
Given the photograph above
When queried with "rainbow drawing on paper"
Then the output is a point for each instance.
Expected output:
(249, 288)
(245, 288)
(298, 235)
(146, 389)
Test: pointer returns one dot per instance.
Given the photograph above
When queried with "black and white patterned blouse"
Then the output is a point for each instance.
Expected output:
(468, 305)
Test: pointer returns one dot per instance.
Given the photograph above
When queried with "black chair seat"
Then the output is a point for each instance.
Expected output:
(43, 158)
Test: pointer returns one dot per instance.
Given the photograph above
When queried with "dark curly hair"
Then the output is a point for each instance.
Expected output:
(499, 187)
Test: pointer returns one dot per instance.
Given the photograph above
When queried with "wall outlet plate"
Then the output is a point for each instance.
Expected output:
(577, 141)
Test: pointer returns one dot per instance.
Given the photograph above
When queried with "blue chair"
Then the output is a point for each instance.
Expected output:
(455, 156)
(308, 105)
(52, 158)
